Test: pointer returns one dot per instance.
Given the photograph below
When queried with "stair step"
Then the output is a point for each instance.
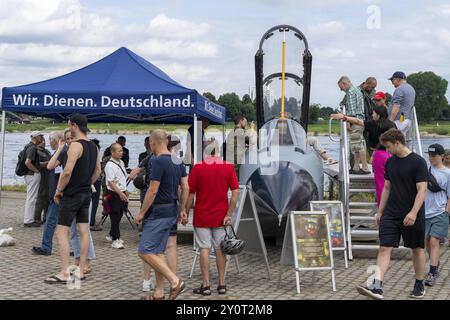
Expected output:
(362, 204)
(361, 211)
(364, 232)
(372, 247)
(362, 190)
(365, 218)
(362, 177)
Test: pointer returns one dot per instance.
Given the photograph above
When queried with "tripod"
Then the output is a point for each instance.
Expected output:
(126, 213)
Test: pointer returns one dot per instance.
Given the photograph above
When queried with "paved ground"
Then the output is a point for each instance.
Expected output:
(117, 273)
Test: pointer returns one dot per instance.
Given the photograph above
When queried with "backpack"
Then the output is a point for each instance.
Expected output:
(21, 168)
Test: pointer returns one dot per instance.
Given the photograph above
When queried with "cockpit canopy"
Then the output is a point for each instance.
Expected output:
(283, 132)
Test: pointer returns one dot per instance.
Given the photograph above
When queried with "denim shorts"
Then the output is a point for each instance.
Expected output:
(156, 230)
(437, 226)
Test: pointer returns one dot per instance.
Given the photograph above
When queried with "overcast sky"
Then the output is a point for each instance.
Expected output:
(210, 45)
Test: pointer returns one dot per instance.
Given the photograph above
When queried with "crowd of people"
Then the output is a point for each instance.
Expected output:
(64, 187)
(413, 199)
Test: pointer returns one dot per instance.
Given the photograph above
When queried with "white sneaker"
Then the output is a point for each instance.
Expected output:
(116, 244)
(148, 285)
(109, 238)
(120, 240)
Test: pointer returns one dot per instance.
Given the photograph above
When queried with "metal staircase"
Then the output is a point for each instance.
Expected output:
(362, 230)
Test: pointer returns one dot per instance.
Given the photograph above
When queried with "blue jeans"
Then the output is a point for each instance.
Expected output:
(75, 240)
(49, 228)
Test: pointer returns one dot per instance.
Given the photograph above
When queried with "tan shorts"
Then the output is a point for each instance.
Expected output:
(209, 237)
(356, 139)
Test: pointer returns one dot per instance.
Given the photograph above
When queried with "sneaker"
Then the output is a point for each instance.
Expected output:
(430, 280)
(372, 293)
(116, 244)
(418, 292)
(32, 225)
(148, 285)
(40, 251)
(109, 238)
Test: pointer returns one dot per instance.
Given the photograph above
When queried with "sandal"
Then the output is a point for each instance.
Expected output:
(221, 289)
(55, 279)
(152, 297)
(174, 292)
(205, 291)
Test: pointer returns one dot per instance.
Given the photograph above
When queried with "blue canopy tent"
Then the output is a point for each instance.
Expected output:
(122, 87)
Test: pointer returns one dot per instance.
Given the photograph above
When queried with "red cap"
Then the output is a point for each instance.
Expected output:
(379, 96)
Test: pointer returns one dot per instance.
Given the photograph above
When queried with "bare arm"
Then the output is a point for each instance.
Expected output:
(352, 120)
(30, 166)
(97, 171)
(231, 206)
(54, 162)
(410, 218)
(394, 112)
(184, 193)
(447, 208)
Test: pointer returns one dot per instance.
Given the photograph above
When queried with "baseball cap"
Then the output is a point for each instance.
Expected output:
(81, 121)
(379, 95)
(436, 148)
(398, 75)
(36, 134)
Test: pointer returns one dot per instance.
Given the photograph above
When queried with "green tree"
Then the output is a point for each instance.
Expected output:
(430, 95)
(232, 103)
(248, 110)
(210, 96)
(314, 112)
(246, 99)
(325, 112)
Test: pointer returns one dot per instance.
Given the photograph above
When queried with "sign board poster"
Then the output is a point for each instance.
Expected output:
(312, 242)
(335, 212)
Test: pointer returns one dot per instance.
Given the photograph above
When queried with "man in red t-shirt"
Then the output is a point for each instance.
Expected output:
(209, 181)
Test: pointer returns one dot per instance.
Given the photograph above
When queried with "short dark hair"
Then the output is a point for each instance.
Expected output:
(122, 138)
(147, 138)
(392, 136)
(238, 119)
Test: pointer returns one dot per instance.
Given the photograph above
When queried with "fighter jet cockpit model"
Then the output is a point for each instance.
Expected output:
(284, 171)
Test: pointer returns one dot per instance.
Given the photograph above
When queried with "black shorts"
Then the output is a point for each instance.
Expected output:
(76, 206)
(391, 228)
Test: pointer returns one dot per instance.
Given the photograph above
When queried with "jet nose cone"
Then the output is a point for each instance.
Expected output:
(291, 188)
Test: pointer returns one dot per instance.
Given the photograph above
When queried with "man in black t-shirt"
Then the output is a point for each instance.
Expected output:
(401, 212)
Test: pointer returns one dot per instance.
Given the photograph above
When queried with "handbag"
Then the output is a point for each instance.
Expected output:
(433, 185)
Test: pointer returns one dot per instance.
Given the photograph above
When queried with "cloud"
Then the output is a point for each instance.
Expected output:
(165, 27)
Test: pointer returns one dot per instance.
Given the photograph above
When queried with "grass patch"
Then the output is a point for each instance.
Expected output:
(15, 188)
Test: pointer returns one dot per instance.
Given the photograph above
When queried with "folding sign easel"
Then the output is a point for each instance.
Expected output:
(307, 244)
(335, 211)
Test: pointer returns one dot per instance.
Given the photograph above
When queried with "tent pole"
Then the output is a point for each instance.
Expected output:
(3, 153)
(223, 141)
(195, 140)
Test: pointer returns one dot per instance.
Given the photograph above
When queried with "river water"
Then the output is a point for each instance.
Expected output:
(14, 143)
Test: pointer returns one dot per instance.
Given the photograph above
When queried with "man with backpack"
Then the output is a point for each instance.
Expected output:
(29, 167)
(437, 207)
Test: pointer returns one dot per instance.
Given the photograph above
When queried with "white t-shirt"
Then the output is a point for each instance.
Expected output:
(115, 173)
